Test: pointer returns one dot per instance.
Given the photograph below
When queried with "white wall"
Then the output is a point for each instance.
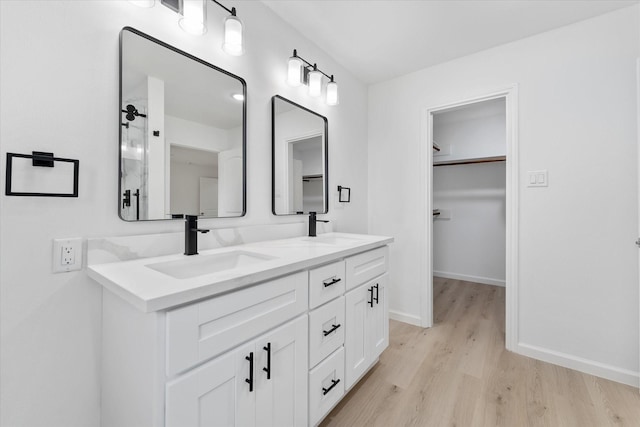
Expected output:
(187, 133)
(59, 86)
(578, 266)
(469, 244)
(475, 131)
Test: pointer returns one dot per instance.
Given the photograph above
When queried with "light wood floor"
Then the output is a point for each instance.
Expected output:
(459, 374)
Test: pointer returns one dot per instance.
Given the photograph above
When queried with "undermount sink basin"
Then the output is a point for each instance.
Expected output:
(199, 265)
(333, 240)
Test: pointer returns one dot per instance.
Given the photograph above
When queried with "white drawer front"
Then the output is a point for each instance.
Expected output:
(326, 386)
(365, 266)
(326, 330)
(202, 330)
(326, 283)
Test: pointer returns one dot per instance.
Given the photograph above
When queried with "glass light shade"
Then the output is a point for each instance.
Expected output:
(332, 93)
(294, 73)
(233, 36)
(143, 3)
(194, 13)
(315, 83)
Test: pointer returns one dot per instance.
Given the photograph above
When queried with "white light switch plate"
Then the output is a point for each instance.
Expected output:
(538, 178)
(67, 254)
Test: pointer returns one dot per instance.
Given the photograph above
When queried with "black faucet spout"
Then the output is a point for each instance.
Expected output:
(191, 231)
(312, 223)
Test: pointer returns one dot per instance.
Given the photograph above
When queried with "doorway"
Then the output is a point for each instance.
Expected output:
(508, 161)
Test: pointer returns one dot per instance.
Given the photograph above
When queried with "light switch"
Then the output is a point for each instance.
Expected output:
(538, 178)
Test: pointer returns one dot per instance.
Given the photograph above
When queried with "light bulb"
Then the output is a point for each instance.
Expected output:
(294, 71)
(315, 83)
(233, 36)
(332, 93)
(193, 17)
(143, 3)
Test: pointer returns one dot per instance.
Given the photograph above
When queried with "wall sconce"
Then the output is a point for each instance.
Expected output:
(194, 21)
(301, 71)
(194, 17)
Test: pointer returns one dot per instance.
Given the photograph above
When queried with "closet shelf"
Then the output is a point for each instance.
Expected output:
(470, 161)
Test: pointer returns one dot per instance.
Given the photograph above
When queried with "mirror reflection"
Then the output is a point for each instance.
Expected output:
(182, 139)
(299, 147)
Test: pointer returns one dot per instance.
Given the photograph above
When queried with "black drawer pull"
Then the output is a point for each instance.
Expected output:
(250, 379)
(267, 369)
(330, 282)
(333, 329)
(327, 390)
(370, 302)
(377, 293)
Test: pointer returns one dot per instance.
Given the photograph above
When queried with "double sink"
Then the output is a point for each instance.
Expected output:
(195, 266)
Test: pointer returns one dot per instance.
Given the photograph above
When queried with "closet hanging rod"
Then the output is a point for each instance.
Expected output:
(471, 161)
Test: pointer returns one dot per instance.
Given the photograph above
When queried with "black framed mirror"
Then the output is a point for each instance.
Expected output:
(182, 134)
(299, 159)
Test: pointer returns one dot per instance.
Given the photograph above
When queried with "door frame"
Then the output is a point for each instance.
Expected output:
(510, 94)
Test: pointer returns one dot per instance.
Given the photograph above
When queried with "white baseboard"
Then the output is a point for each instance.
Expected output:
(587, 366)
(404, 317)
(475, 279)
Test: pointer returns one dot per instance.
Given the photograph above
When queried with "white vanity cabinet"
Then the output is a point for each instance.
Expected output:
(281, 350)
(367, 333)
(262, 383)
(367, 312)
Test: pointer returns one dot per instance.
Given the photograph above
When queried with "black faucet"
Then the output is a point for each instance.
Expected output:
(312, 224)
(191, 231)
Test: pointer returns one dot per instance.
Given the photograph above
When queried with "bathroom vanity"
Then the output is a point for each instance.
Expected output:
(271, 333)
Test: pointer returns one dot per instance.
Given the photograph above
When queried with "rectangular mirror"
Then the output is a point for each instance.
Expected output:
(182, 134)
(299, 159)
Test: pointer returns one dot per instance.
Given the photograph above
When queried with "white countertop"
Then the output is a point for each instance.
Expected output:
(149, 290)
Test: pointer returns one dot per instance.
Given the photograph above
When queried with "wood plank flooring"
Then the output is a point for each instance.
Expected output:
(458, 373)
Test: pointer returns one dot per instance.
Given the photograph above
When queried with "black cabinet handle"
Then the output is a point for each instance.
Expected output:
(250, 379)
(333, 384)
(330, 282)
(268, 368)
(370, 302)
(377, 294)
(331, 330)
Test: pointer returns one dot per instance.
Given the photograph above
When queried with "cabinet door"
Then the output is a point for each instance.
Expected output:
(281, 376)
(358, 306)
(378, 322)
(215, 394)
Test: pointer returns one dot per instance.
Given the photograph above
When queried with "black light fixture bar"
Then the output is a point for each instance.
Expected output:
(309, 64)
(232, 11)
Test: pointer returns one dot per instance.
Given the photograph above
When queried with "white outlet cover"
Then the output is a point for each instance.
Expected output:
(57, 262)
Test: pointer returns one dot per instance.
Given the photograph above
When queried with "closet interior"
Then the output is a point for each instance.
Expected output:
(469, 193)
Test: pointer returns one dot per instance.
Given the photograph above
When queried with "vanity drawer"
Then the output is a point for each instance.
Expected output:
(365, 266)
(326, 330)
(326, 386)
(326, 283)
(203, 330)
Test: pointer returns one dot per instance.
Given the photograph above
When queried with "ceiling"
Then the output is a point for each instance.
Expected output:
(378, 40)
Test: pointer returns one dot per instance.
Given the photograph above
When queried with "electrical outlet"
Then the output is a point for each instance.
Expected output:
(67, 255)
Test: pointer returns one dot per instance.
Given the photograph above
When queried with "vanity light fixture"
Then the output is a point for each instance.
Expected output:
(194, 17)
(193, 20)
(300, 71)
(232, 32)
